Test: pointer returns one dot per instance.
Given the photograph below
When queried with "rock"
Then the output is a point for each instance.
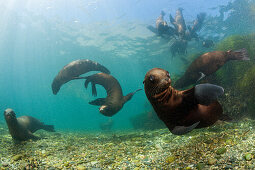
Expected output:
(248, 156)
(170, 159)
(80, 167)
(17, 157)
(221, 151)
(200, 166)
(212, 161)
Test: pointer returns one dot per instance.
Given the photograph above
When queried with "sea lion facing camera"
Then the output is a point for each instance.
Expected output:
(22, 128)
(114, 100)
(182, 111)
(207, 64)
(74, 69)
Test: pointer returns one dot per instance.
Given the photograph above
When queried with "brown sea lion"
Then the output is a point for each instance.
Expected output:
(74, 69)
(182, 111)
(179, 22)
(114, 100)
(207, 64)
(22, 128)
(197, 25)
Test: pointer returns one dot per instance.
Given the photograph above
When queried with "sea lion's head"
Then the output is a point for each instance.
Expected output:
(108, 110)
(9, 115)
(156, 80)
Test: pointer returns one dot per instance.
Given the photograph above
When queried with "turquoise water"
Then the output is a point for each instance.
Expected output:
(39, 37)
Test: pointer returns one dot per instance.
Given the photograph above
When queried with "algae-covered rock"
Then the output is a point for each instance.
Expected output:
(200, 166)
(170, 159)
(212, 161)
(80, 167)
(248, 156)
(17, 157)
(221, 151)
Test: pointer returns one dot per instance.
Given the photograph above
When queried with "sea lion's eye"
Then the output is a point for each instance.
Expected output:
(152, 78)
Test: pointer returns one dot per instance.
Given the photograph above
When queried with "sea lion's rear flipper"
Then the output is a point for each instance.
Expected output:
(207, 93)
(49, 128)
(98, 102)
(181, 130)
(152, 29)
(130, 95)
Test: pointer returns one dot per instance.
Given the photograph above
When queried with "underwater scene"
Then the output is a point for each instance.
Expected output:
(127, 84)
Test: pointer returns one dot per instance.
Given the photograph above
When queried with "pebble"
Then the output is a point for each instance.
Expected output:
(17, 157)
(80, 167)
(248, 156)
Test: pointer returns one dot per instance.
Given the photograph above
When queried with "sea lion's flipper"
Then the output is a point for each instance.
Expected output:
(202, 75)
(98, 102)
(207, 93)
(152, 29)
(172, 20)
(94, 90)
(130, 95)
(49, 128)
(181, 130)
(32, 136)
(241, 54)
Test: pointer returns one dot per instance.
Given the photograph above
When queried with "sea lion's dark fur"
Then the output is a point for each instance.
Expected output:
(114, 100)
(178, 108)
(22, 128)
(75, 69)
(207, 64)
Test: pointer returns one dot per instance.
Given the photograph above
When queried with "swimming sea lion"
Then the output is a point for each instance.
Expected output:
(207, 64)
(114, 100)
(22, 128)
(74, 69)
(197, 25)
(182, 111)
(179, 47)
(179, 22)
(162, 28)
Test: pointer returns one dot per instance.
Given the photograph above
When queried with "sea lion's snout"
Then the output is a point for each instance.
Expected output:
(9, 113)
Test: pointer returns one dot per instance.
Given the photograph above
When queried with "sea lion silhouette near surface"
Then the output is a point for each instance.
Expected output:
(207, 64)
(182, 111)
(22, 128)
(114, 100)
(74, 69)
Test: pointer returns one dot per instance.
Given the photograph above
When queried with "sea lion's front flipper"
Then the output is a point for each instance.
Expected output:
(94, 90)
(207, 93)
(181, 130)
(152, 29)
(202, 75)
(98, 102)
(32, 136)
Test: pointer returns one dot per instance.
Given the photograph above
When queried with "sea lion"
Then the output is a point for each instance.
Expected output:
(207, 64)
(162, 28)
(179, 22)
(197, 25)
(22, 128)
(182, 111)
(74, 69)
(114, 100)
(179, 47)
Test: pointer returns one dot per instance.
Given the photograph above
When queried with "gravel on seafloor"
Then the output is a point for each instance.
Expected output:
(223, 146)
